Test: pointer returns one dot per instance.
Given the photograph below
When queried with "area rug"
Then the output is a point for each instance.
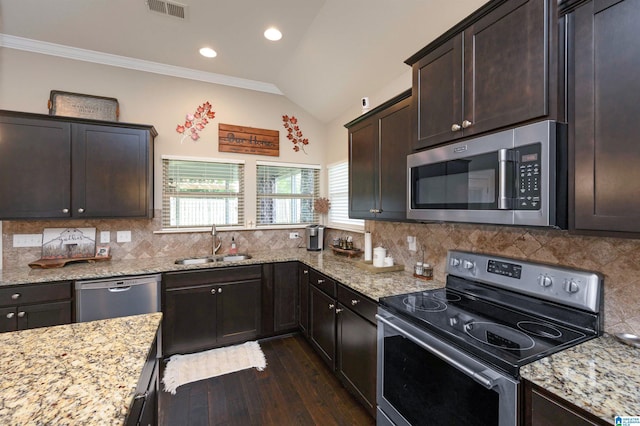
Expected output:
(183, 369)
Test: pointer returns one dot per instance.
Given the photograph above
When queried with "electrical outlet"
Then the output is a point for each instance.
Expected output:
(123, 236)
(412, 243)
(27, 240)
(293, 235)
(105, 237)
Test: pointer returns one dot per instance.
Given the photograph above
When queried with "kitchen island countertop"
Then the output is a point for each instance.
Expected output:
(74, 374)
(601, 376)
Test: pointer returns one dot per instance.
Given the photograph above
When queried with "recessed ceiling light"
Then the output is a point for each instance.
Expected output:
(208, 52)
(273, 34)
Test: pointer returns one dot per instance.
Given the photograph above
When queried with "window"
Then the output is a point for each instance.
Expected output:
(285, 193)
(197, 193)
(339, 197)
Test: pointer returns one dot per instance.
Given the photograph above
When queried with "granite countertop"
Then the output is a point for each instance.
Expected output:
(340, 268)
(75, 374)
(601, 376)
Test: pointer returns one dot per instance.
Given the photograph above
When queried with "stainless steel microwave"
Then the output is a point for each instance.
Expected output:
(513, 177)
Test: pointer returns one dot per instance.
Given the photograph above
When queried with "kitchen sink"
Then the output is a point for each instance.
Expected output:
(211, 259)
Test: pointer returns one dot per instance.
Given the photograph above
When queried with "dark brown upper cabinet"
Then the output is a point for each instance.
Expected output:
(497, 68)
(54, 167)
(604, 136)
(379, 143)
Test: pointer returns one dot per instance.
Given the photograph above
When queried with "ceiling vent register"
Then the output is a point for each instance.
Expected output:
(168, 8)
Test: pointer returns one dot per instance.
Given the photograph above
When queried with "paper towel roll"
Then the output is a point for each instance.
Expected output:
(368, 248)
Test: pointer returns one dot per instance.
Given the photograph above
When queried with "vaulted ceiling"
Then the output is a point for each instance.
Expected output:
(333, 52)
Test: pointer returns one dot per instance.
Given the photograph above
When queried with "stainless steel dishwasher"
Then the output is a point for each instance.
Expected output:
(117, 297)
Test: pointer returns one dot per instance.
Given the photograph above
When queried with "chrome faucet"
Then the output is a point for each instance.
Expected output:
(214, 247)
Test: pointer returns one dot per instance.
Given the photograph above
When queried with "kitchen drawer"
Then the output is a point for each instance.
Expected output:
(323, 282)
(34, 293)
(212, 276)
(358, 303)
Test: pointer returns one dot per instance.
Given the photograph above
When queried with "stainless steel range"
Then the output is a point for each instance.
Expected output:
(452, 356)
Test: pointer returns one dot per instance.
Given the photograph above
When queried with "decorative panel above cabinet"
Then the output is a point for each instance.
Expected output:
(604, 137)
(497, 68)
(379, 143)
(59, 167)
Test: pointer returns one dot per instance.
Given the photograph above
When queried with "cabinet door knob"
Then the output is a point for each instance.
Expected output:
(331, 306)
(354, 302)
(81, 210)
(455, 127)
(15, 296)
(213, 291)
(305, 271)
(466, 123)
(11, 315)
(220, 290)
(21, 314)
(65, 210)
(339, 310)
(320, 281)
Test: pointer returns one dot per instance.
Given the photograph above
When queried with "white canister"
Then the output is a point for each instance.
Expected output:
(379, 253)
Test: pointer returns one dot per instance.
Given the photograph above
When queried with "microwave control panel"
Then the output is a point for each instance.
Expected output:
(528, 172)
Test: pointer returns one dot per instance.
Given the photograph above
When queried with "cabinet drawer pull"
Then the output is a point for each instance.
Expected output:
(354, 302)
(320, 281)
(466, 124)
(10, 315)
(455, 127)
(21, 314)
(65, 210)
(306, 271)
(331, 306)
(15, 296)
(80, 210)
(339, 310)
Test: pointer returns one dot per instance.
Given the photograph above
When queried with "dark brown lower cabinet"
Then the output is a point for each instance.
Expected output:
(542, 408)
(209, 308)
(356, 356)
(303, 297)
(35, 305)
(322, 324)
(285, 298)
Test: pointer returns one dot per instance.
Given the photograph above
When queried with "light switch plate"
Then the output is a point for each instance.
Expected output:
(123, 236)
(105, 237)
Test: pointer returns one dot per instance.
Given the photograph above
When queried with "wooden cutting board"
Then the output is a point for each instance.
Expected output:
(368, 266)
(59, 263)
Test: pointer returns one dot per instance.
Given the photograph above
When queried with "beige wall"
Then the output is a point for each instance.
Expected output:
(27, 78)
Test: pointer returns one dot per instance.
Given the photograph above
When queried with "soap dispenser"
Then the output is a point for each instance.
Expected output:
(234, 247)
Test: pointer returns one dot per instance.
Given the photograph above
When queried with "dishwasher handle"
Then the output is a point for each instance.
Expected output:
(119, 289)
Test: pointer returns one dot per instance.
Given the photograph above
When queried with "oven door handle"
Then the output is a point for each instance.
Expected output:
(477, 376)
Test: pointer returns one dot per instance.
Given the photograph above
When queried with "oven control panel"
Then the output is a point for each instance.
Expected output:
(573, 287)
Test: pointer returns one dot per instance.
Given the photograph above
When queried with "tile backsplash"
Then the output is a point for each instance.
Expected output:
(617, 259)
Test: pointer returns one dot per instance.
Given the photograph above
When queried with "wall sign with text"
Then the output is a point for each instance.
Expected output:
(248, 140)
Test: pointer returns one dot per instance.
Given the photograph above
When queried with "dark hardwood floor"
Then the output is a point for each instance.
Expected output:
(296, 388)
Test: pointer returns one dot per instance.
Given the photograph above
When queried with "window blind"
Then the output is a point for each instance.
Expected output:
(286, 193)
(338, 175)
(198, 193)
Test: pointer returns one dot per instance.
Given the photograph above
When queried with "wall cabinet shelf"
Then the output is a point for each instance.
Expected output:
(60, 167)
(495, 69)
(603, 66)
(379, 143)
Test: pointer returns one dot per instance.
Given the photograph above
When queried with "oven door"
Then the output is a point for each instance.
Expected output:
(423, 380)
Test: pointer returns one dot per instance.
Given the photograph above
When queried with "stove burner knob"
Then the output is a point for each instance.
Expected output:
(455, 261)
(570, 286)
(545, 281)
(468, 264)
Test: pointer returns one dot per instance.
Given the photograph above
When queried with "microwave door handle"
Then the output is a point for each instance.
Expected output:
(503, 160)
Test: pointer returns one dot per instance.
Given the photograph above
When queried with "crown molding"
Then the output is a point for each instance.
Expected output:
(46, 48)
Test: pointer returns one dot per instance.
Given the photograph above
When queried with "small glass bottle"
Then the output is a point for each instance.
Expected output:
(427, 271)
(418, 269)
